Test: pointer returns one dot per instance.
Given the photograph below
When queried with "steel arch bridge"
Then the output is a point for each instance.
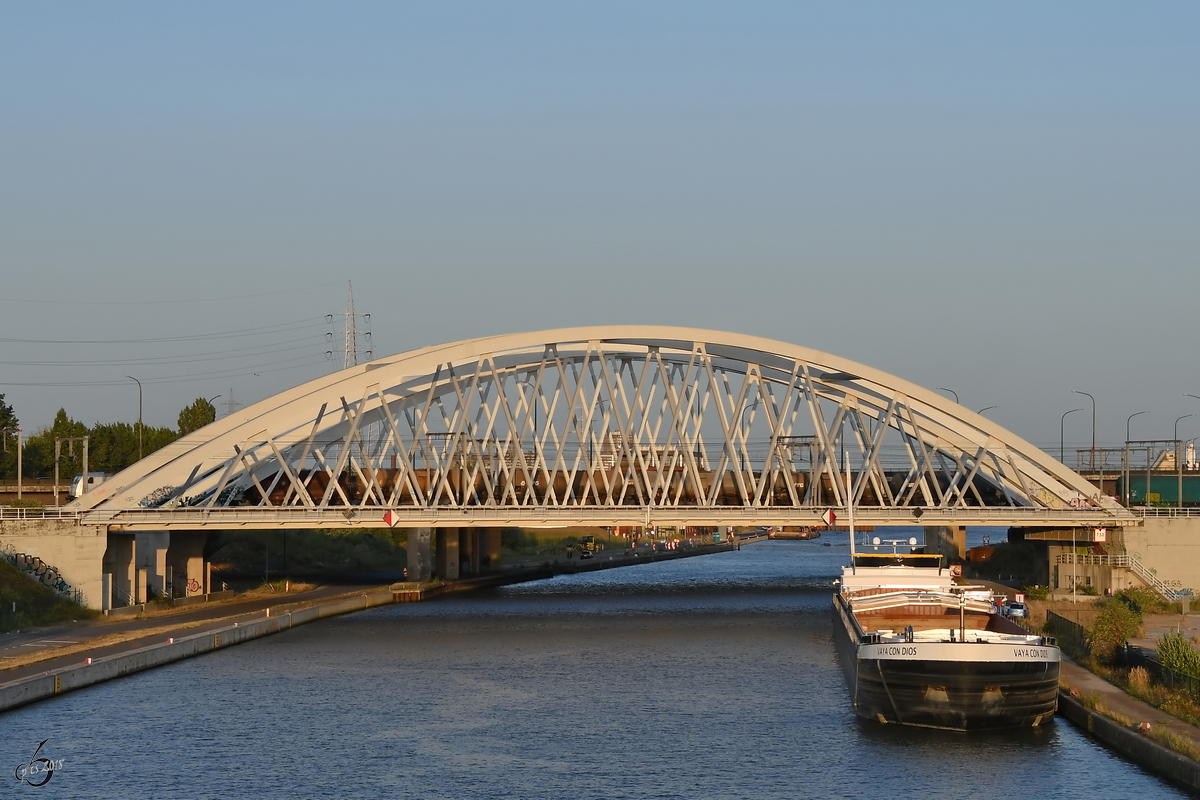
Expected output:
(609, 425)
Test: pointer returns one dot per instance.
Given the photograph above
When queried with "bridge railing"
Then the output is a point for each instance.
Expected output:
(1165, 512)
(7, 513)
(446, 514)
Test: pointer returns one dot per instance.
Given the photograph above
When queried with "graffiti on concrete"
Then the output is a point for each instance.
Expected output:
(40, 571)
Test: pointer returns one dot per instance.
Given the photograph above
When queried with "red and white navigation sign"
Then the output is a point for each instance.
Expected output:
(829, 517)
(391, 518)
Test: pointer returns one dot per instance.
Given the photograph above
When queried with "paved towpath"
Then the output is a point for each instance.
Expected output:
(1115, 699)
(180, 622)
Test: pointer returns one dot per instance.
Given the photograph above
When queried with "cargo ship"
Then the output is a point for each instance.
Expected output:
(919, 650)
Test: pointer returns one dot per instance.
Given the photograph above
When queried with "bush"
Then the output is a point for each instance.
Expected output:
(1142, 600)
(1114, 625)
(1036, 592)
(1176, 652)
(36, 505)
(1139, 680)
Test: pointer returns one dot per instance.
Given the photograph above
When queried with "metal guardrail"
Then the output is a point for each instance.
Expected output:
(7, 512)
(1166, 512)
(1174, 680)
(1070, 634)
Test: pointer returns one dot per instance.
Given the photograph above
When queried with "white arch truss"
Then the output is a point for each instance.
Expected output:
(600, 425)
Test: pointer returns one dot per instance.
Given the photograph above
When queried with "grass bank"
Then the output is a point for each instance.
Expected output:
(36, 605)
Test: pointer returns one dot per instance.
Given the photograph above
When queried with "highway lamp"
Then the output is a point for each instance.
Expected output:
(951, 391)
(1062, 423)
(139, 383)
(1127, 476)
(989, 408)
(210, 402)
(1092, 458)
(1185, 416)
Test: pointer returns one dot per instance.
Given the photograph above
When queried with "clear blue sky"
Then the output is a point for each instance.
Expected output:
(998, 198)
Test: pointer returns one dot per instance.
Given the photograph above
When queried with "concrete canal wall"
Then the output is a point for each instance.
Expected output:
(49, 684)
(1130, 743)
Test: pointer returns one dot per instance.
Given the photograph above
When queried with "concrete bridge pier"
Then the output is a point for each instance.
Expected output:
(152, 547)
(185, 563)
(489, 550)
(468, 550)
(447, 554)
(420, 554)
(949, 540)
(120, 571)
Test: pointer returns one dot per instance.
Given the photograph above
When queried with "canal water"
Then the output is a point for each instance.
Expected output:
(704, 677)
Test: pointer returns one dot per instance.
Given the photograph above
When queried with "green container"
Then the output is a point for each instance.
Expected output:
(1164, 489)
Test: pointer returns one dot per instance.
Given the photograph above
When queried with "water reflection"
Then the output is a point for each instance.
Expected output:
(707, 677)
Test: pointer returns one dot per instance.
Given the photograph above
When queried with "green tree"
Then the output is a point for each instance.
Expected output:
(39, 451)
(196, 416)
(114, 445)
(8, 452)
(1115, 624)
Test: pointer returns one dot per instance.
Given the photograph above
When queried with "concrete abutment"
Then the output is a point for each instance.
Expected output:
(72, 551)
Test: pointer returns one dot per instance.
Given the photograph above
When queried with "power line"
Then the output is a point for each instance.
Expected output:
(219, 355)
(163, 302)
(263, 369)
(282, 327)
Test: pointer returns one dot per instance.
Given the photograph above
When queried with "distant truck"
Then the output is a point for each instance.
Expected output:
(94, 479)
(587, 543)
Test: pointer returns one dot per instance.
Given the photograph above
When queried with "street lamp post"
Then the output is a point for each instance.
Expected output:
(139, 383)
(1127, 469)
(951, 391)
(5, 434)
(1062, 425)
(1092, 457)
(989, 408)
(210, 402)
(1179, 462)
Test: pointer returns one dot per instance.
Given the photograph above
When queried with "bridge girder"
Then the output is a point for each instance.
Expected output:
(599, 425)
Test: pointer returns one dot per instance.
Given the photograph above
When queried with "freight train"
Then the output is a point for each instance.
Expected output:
(614, 485)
